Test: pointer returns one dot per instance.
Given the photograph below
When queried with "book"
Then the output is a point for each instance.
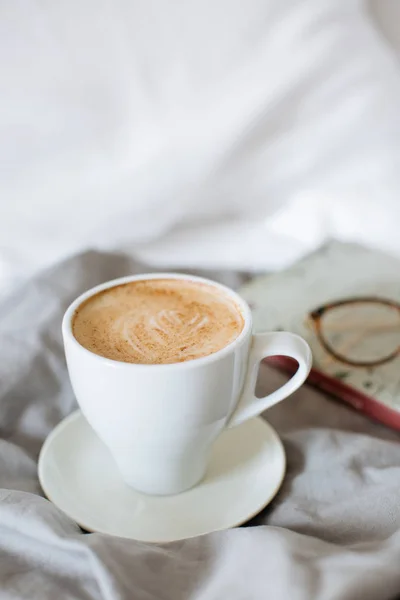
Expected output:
(338, 271)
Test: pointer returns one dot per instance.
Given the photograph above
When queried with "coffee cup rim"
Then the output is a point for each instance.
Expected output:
(196, 362)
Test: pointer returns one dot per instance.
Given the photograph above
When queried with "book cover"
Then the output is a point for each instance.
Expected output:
(285, 300)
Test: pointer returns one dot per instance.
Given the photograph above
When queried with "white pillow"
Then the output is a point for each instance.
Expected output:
(204, 133)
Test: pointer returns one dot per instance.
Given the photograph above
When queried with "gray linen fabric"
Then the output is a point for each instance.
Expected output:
(331, 533)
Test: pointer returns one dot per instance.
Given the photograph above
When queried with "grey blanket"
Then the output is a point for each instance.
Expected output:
(331, 533)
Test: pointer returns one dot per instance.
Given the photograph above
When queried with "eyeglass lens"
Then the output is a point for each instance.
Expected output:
(363, 331)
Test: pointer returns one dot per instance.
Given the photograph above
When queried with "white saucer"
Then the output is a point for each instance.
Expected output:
(78, 474)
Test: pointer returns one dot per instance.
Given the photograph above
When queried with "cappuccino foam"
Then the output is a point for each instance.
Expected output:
(157, 321)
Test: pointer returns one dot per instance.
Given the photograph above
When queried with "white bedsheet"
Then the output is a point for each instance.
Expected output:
(220, 135)
(331, 533)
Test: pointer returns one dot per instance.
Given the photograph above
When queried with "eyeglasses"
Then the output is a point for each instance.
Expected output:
(362, 332)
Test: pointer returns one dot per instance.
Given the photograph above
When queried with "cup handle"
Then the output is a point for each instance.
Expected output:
(271, 344)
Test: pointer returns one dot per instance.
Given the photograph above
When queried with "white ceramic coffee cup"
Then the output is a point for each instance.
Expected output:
(160, 421)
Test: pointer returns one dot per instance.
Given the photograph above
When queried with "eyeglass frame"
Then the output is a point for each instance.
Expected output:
(316, 317)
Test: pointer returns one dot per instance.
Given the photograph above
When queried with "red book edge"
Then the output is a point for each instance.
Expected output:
(361, 402)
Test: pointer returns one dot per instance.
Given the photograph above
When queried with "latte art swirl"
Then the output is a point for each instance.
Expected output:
(157, 321)
(147, 334)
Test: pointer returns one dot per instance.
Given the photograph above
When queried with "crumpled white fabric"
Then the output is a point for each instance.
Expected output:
(203, 134)
(331, 533)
